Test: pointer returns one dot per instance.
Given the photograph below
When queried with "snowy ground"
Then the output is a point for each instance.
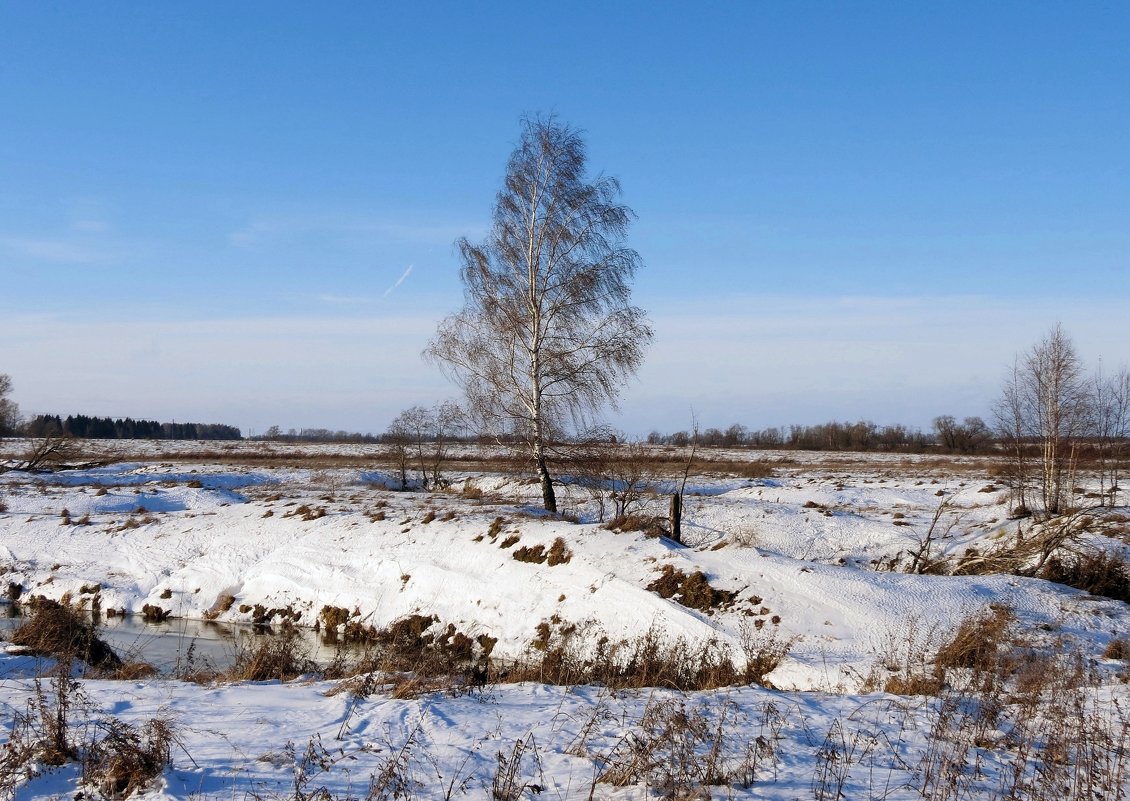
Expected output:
(804, 550)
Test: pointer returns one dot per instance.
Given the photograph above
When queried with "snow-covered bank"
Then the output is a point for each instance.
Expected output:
(797, 551)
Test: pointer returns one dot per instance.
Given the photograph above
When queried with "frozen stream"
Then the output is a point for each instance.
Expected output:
(166, 645)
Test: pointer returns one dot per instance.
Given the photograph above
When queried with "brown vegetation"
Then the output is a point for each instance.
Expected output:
(65, 634)
(693, 591)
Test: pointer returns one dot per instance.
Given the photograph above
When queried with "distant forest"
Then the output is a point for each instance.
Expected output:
(82, 426)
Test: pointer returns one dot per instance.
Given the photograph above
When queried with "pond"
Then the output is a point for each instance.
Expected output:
(172, 644)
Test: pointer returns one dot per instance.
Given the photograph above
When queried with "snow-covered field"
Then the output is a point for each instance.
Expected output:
(806, 552)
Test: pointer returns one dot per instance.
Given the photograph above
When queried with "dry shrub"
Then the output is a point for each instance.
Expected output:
(508, 782)
(977, 643)
(334, 617)
(531, 554)
(764, 650)
(307, 512)
(1099, 573)
(411, 687)
(693, 591)
(134, 670)
(679, 751)
(126, 758)
(744, 536)
(913, 684)
(64, 633)
(1118, 648)
(570, 657)
(151, 613)
(224, 601)
(279, 657)
(650, 525)
(496, 527)
(41, 732)
(558, 554)
(759, 468)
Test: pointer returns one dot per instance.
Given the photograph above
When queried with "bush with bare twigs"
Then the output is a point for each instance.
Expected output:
(279, 656)
(65, 634)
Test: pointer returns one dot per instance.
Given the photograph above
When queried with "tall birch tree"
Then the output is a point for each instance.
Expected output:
(547, 335)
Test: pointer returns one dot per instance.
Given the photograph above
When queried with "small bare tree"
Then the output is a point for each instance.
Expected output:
(423, 436)
(1111, 423)
(547, 334)
(1045, 402)
(9, 411)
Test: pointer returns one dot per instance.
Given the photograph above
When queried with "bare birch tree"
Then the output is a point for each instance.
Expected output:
(1046, 402)
(424, 435)
(9, 411)
(547, 335)
(1111, 426)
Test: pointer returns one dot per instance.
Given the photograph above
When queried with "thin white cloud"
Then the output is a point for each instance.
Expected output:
(90, 226)
(343, 300)
(266, 230)
(54, 251)
(399, 281)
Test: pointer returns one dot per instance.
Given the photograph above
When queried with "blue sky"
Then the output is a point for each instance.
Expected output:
(244, 213)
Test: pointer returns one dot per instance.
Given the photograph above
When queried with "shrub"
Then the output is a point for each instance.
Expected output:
(763, 651)
(650, 525)
(63, 633)
(280, 656)
(559, 553)
(977, 642)
(534, 554)
(1100, 573)
(1118, 648)
(334, 617)
(913, 684)
(693, 591)
(151, 613)
(224, 601)
(567, 657)
(127, 758)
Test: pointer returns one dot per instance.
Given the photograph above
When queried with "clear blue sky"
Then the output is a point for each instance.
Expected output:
(845, 210)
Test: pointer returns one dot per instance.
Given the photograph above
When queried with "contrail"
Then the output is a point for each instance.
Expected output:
(399, 281)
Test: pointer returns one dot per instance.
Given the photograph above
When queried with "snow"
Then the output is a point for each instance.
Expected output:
(801, 550)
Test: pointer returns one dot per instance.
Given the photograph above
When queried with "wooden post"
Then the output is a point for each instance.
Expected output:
(676, 517)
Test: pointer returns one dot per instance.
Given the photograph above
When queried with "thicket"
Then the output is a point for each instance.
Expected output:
(84, 427)
(972, 435)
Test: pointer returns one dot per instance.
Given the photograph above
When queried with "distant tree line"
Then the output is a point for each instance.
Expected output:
(971, 435)
(276, 434)
(85, 427)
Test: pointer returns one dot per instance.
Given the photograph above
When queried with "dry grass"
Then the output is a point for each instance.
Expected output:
(692, 591)
(65, 634)
(279, 657)
(557, 554)
(125, 759)
(978, 642)
(1099, 573)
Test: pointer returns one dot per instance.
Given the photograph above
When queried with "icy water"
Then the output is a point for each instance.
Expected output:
(172, 645)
